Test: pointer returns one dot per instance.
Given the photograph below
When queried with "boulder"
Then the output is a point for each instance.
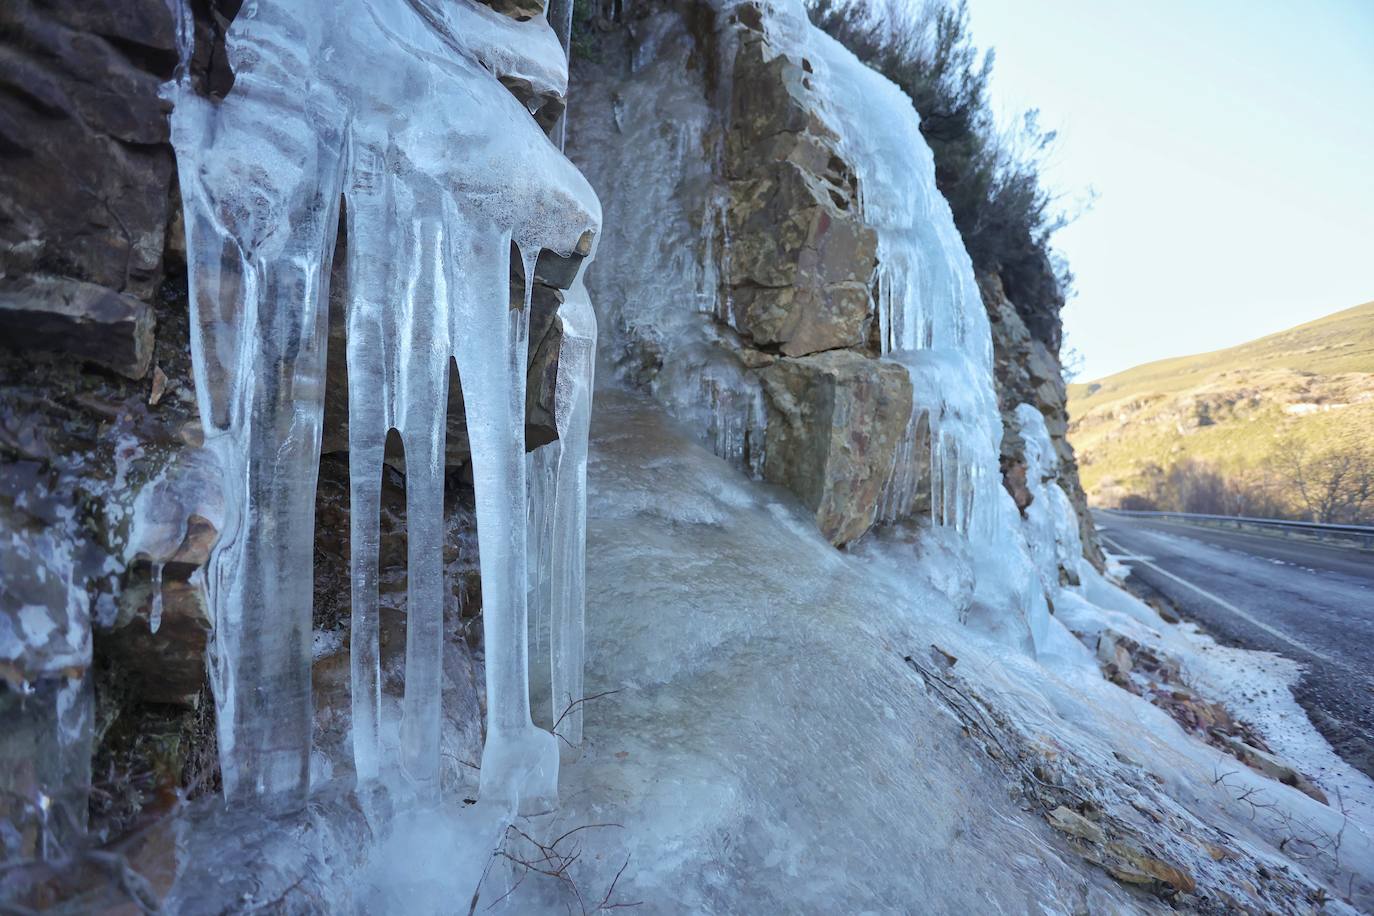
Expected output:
(89, 322)
(835, 421)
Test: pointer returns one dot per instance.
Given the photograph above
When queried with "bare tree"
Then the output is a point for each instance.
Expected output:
(1336, 485)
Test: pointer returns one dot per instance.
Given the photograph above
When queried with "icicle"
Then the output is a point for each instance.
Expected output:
(519, 762)
(428, 239)
(573, 408)
(377, 215)
(155, 615)
(259, 310)
(541, 467)
(423, 387)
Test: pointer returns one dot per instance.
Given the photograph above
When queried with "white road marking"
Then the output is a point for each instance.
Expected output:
(1222, 602)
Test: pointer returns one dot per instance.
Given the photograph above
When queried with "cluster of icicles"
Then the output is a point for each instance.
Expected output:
(395, 107)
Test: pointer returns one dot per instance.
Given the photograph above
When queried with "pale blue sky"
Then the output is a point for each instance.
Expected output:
(1232, 146)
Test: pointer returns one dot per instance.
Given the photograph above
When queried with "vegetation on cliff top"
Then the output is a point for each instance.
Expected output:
(989, 175)
(1245, 430)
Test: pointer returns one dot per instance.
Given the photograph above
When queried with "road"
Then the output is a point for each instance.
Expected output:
(1308, 601)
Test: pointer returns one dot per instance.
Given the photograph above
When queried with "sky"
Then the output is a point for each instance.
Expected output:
(1231, 146)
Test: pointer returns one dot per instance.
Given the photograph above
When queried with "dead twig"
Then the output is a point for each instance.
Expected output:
(552, 859)
(971, 713)
(606, 903)
(576, 703)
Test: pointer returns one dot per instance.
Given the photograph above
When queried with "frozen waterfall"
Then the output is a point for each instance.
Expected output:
(931, 320)
(398, 110)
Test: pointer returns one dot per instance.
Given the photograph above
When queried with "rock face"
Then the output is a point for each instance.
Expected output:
(801, 259)
(798, 284)
(1027, 371)
(740, 142)
(84, 191)
(781, 343)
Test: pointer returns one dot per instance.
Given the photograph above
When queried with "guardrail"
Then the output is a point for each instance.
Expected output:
(1363, 535)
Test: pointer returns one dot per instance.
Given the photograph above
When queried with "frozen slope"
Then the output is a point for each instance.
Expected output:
(769, 750)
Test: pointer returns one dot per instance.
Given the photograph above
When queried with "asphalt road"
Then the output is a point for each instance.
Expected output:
(1311, 602)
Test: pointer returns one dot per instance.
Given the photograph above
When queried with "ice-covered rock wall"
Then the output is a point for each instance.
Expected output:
(821, 321)
(444, 177)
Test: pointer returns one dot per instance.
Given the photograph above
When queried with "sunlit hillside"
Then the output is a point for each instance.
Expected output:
(1228, 409)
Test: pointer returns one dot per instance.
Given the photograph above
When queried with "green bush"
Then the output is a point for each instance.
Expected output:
(990, 177)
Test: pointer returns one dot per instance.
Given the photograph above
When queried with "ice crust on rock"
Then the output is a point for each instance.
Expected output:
(933, 322)
(442, 171)
(657, 281)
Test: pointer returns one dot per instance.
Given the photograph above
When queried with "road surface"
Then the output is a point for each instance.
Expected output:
(1311, 602)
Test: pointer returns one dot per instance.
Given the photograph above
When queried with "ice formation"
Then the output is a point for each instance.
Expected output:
(661, 298)
(657, 281)
(932, 321)
(442, 173)
(558, 519)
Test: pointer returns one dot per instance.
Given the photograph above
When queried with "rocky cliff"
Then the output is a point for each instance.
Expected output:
(776, 261)
(1028, 371)
(784, 328)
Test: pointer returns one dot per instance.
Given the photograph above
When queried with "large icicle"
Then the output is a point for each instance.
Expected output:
(442, 169)
(261, 173)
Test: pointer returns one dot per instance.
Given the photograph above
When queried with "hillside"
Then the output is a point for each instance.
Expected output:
(1227, 410)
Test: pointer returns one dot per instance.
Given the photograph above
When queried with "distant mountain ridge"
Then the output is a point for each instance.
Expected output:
(1227, 410)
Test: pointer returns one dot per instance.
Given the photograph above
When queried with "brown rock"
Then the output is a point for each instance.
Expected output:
(1075, 824)
(516, 9)
(801, 319)
(166, 665)
(82, 320)
(1014, 482)
(834, 422)
(1138, 867)
(801, 258)
(1273, 767)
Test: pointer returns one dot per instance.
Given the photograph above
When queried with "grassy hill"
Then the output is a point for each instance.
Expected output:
(1227, 410)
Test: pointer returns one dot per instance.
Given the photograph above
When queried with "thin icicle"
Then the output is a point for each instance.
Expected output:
(155, 614)
(573, 408)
